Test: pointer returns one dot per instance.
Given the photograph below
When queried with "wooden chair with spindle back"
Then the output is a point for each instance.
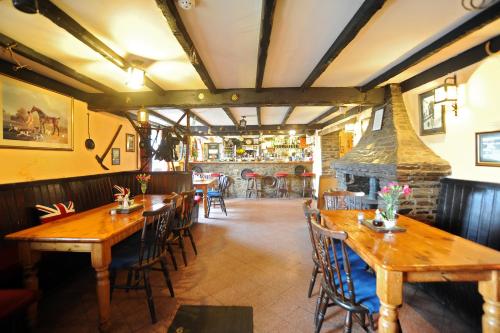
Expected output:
(343, 200)
(343, 283)
(141, 259)
(183, 224)
(311, 214)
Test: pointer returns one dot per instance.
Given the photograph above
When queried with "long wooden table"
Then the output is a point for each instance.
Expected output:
(94, 231)
(203, 184)
(421, 254)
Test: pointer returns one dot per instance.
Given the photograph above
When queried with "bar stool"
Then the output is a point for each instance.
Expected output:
(307, 183)
(281, 185)
(252, 184)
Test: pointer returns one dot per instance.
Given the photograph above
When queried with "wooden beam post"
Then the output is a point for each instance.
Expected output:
(174, 20)
(186, 99)
(325, 114)
(29, 53)
(266, 26)
(230, 115)
(259, 120)
(464, 59)
(188, 140)
(473, 24)
(63, 20)
(357, 22)
(287, 115)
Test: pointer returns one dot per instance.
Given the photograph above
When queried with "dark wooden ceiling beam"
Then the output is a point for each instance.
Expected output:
(473, 24)
(52, 64)
(63, 20)
(231, 116)
(34, 78)
(349, 113)
(259, 116)
(357, 22)
(266, 26)
(251, 129)
(174, 20)
(324, 115)
(185, 99)
(464, 59)
(287, 115)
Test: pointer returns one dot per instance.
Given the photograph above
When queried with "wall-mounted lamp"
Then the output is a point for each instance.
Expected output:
(446, 95)
(135, 76)
(243, 122)
(143, 116)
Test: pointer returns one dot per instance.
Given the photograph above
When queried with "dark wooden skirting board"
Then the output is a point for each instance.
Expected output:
(469, 209)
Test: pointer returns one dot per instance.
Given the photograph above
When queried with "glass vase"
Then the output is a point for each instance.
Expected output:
(144, 187)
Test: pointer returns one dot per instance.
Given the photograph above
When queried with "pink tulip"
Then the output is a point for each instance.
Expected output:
(392, 184)
(385, 190)
(406, 190)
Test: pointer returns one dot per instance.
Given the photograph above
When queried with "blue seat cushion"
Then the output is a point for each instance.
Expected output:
(124, 256)
(354, 259)
(214, 194)
(365, 288)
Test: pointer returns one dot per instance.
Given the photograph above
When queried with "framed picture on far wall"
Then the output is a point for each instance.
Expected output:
(33, 117)
(129, 142)
(488, 148)
(115, 156)
(431, 118)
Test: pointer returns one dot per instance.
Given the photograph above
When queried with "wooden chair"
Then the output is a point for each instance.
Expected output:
(343, 283)
(150, 250)
(312, 214)
(343, 200)
(216, 197)
(184, 223)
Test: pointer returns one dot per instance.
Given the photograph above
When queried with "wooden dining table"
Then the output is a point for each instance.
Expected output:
(93, 231)
(420, 254)
(204, 184)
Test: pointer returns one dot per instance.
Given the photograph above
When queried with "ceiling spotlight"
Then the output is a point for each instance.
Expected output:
(186, 4)
(135, 76)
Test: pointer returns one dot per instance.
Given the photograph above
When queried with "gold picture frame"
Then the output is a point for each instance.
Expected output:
(34, 118)
(488, 148)
(129, 143)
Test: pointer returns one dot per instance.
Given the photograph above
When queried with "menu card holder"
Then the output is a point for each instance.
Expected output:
(130, 209)
(382, 229)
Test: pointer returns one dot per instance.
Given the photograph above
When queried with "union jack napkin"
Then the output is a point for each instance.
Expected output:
(120, 191)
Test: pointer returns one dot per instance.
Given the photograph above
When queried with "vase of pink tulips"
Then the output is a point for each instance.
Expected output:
(391, 195)
(143, 179)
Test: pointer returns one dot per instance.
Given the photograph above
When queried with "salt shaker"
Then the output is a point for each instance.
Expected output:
(361, 217)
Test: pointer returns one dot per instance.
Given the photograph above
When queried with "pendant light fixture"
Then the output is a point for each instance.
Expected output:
(143, 116)
(243, 122)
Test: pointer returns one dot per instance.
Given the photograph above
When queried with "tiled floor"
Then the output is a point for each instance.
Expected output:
(260, 256)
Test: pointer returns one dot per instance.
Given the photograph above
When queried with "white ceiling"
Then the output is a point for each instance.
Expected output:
(302, 33)
(214, 116)
(304, 114)
(226, 35)
(395, 32)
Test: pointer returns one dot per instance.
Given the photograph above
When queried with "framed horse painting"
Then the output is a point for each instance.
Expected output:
(33, 117)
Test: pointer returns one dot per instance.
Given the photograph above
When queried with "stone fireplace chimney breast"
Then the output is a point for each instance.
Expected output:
(396, 153)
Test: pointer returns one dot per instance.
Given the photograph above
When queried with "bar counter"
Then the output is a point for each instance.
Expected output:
(238, 185)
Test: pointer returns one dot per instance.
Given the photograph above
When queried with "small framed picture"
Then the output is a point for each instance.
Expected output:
(488, 148)
(377, 119)
(431, 117)
(129, 142)
(115, 156)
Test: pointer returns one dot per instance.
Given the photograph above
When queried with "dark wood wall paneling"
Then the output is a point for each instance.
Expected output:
(17, 201)
(469, 209)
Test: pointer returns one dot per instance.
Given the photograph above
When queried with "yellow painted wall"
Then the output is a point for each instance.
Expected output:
(478, 111)
(19, 165)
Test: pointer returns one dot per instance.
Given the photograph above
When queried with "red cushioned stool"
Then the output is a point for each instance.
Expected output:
(307, 184)
(281, 185)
